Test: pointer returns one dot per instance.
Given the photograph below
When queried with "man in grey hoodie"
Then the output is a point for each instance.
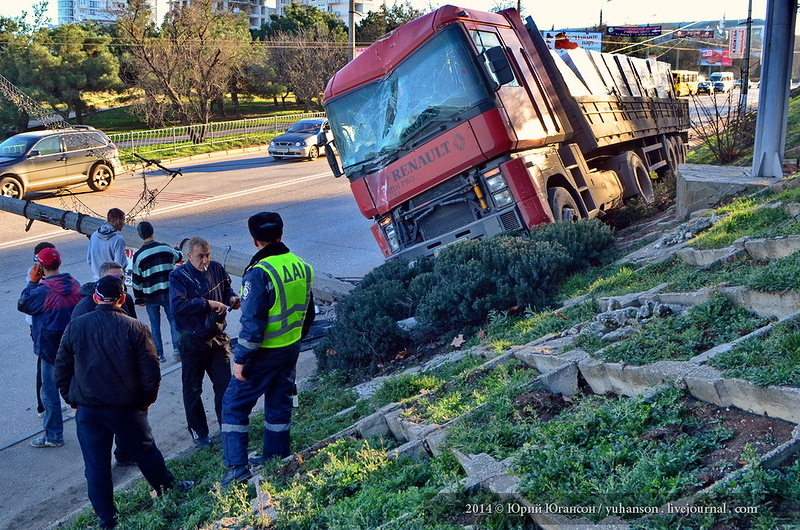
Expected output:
(107, 244)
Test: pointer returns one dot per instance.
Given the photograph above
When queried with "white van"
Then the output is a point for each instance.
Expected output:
(723, 81)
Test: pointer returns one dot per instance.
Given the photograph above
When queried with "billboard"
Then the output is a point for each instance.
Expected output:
(713, 57)
(634, 31)
(736, 43)
(569, 40)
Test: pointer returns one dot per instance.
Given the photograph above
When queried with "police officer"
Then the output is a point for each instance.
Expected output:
(277, 311)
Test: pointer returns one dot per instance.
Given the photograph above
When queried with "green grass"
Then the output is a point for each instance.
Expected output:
(771, 361)
(747, 221)
(467, 391)
(600, 453)
(761, 499)
(504, 331)
(780, 275)
(678, 337)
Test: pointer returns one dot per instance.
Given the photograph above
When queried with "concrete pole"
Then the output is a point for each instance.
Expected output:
(327, 288)
(773, 100)
(352, 32)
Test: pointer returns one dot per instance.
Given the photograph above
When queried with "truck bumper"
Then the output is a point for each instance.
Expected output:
(488, 226)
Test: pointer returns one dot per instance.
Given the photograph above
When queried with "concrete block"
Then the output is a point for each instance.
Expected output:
(328, 288)
(594, 372)
(772, 304)
(435, 440)
(416, 431)
(684, 299)
(707, 385)
(393, 420)
(702, 258)
(563, 380)
(414, 450)
(773, 248)
(702, 186)
(773, 401)
(374, 425)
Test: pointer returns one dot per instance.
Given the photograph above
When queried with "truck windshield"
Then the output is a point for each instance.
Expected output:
(432, 86)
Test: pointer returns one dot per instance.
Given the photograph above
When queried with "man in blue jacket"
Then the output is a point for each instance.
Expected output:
(277, 312)
(200, 294)
(49, 298)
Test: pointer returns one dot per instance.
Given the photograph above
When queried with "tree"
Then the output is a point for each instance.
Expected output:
(65, 62)
(305, 61)
(297, 18)
(380, 22)
(188, 64)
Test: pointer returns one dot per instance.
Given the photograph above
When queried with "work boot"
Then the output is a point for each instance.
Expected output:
(235, 474)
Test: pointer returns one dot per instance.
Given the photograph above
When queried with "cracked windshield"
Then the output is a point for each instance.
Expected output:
(439, 82)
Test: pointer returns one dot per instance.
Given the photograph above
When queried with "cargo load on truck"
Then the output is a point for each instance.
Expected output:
(463, 124)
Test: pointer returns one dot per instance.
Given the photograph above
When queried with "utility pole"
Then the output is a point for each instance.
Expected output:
(746, 76)
(352, 33)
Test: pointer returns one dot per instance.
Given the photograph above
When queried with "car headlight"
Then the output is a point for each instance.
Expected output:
(272, 143)
(503, 198)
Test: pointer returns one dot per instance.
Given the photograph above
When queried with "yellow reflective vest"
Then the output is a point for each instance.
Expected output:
(292, 278)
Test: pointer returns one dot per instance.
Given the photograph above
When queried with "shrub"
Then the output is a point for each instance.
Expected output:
(587, 242)
(457, 290)
(365, 333)
(474, 277)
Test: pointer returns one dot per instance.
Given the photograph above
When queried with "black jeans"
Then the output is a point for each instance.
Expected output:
(197, 359)
(97, 427)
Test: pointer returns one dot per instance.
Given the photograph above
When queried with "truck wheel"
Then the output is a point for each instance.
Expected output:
(563, 205)
(642, 179)
(671, 157)
(676, 141)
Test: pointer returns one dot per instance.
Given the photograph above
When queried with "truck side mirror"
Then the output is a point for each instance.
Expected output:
(330, 153)
(498, 62)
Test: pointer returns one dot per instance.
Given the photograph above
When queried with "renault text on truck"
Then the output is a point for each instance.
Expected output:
(461, 124)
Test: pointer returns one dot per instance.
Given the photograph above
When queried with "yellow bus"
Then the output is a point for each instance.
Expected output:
(685, 82)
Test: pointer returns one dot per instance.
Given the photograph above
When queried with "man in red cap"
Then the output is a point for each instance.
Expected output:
(49, 298)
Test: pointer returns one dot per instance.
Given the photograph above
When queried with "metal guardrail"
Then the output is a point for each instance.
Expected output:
(158, 141)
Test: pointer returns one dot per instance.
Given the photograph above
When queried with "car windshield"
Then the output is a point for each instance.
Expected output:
(16, 145)
(432, 86)
(304, 126)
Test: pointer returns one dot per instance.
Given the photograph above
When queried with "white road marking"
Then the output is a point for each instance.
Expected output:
(168, 209)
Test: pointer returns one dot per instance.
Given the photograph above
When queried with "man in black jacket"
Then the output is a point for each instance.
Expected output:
(107, 368)
(200, 294)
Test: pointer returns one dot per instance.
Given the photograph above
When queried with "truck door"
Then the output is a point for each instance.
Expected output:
(529, 113)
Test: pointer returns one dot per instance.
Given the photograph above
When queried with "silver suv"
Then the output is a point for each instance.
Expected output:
(38, 160)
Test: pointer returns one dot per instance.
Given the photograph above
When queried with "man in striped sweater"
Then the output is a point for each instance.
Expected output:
(152, 264)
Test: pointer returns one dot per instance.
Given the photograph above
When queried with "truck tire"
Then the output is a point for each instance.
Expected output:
(633, 175)
(678, 143)
(563, 205)
(670, 156)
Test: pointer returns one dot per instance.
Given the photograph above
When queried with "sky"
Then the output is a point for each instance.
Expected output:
(555, 13)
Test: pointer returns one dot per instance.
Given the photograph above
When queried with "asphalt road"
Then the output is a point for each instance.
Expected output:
(213, 198)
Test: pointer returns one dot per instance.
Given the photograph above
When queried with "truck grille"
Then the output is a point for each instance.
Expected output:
(445, 219)
(510, 221)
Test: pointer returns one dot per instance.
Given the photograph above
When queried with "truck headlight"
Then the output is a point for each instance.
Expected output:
(503, 198)
(496, 183)
(391, 234)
